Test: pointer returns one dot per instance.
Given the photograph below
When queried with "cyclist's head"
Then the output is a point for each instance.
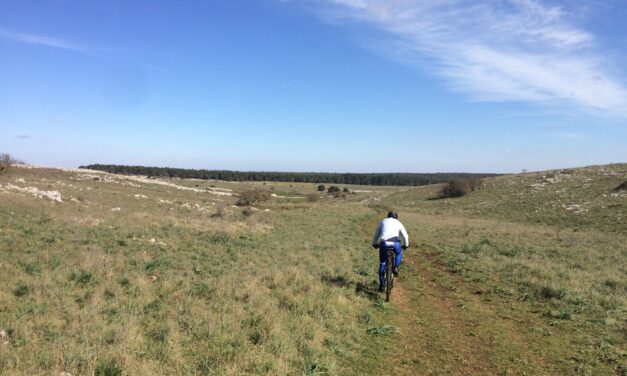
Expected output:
(393, 214)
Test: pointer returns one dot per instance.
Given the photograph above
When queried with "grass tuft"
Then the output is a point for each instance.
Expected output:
(82, 278)
(550, 292)
(386, 329)
(108, 367)
(21, 289)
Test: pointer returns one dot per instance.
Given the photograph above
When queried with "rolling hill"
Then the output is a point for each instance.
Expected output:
(117, 274)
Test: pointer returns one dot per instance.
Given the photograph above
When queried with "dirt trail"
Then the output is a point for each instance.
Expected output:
(434, 336)
(446, 329)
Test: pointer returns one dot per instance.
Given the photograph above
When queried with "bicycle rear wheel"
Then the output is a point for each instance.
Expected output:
(389, 275)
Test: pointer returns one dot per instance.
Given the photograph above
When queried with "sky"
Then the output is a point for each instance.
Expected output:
(315, 85)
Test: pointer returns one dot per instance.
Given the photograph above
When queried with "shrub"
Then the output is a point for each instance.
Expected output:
(345, 190)
(459, 187)
(251, 197)
(247, 212)
(321, 188)
(621, 187)
(5, 162)
(333, 189)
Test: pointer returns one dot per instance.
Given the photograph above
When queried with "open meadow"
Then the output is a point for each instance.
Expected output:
(108, 275)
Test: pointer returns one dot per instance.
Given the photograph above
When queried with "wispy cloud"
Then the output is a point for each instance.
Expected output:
(494, 50)
(23, 136)
(51, 42)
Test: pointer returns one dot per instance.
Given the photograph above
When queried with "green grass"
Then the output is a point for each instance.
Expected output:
(557, 275)
(165, 286)
(577, 199)
(129, 277)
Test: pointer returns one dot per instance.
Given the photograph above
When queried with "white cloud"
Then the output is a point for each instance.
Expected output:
(49, 42)
(494, 50)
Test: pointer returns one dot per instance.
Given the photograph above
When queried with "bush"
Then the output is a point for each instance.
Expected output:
(5, 162)
(459, 188)
(345, 190)
(321, 188)
(333, 189)
(248, 198)
(621, 187)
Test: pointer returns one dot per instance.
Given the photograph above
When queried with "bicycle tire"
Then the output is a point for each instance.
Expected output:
(393, 264)
(389, 275)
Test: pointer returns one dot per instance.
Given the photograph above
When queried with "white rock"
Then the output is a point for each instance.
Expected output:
(54, 196)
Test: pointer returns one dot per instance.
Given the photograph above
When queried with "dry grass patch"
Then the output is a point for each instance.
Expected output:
(159, 286)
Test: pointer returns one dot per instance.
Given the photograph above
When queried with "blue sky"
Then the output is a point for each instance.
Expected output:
(303, 85)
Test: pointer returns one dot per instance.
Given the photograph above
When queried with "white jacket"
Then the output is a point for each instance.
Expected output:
(390, 228)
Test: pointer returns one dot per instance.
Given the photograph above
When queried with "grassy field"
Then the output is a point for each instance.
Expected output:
(107, 275)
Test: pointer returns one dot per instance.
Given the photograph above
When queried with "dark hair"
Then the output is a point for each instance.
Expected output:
(393, 214)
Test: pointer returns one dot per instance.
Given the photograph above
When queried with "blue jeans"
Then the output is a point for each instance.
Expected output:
(383, 247)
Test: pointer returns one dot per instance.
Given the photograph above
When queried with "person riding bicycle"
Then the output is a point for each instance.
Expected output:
(389, 234)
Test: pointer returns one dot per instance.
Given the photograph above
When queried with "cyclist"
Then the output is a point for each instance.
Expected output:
(389, 234)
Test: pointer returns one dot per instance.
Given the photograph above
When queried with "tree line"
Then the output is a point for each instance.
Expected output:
(401, 179)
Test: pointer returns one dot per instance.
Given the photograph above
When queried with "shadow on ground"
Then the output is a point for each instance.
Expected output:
(361, 288)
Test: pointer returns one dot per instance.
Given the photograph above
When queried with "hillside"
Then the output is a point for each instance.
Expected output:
(531, 267)
(570, 198)
(101, 273)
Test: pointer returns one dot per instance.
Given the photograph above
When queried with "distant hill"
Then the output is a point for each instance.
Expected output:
(398, 179)
(586, 197)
